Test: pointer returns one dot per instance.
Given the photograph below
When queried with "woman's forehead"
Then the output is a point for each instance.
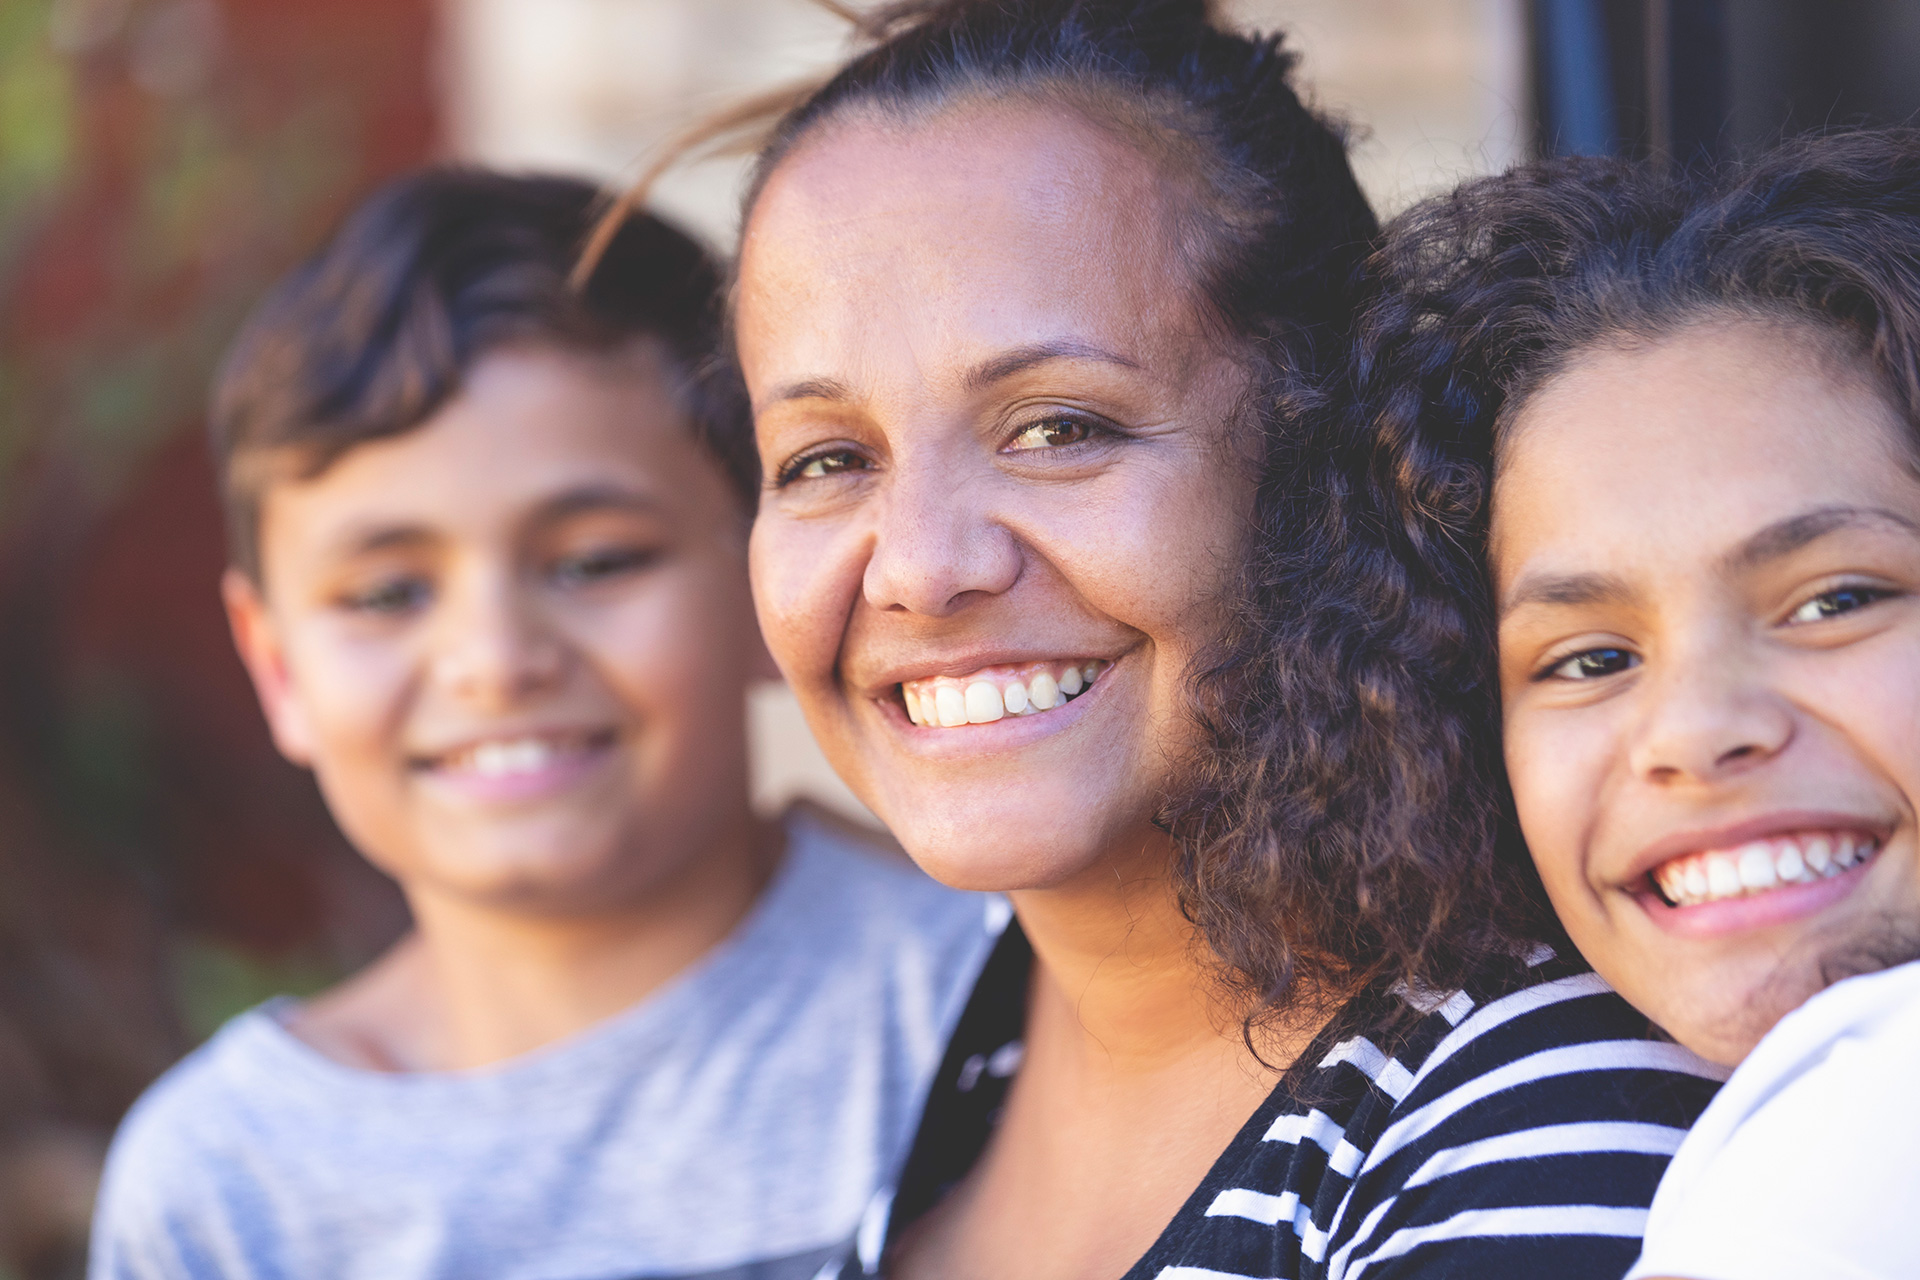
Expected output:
(988, 215)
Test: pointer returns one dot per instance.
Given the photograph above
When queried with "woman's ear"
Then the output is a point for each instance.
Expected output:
(258, 643)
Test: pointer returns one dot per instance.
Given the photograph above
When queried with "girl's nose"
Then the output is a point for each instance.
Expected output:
(1713, 716)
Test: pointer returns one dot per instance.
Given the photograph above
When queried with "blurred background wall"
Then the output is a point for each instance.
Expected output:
(162, 160)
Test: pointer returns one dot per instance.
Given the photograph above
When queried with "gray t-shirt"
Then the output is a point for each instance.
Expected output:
(732, 1125)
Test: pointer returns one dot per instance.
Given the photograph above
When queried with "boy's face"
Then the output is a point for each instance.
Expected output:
(513, 643)
(1706, 555)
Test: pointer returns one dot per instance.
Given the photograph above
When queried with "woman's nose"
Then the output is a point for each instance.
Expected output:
(937, 543)
(495, 646)
(1711, 717)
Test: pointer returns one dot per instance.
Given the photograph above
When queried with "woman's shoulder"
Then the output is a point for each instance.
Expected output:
(1518, 1132)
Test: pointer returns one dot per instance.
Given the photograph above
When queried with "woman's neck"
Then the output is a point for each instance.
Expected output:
(474, 984)
(1119, 961)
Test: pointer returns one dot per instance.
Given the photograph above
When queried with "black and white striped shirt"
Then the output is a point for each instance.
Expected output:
(1519, 1137)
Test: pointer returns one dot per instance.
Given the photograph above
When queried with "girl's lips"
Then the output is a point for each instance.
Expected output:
(1761, 910)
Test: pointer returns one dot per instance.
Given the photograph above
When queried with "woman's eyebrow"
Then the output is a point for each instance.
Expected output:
(1020, 359)
(812, 389)
(1784, 537)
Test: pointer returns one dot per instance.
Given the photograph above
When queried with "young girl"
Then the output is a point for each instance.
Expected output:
(1681, 420)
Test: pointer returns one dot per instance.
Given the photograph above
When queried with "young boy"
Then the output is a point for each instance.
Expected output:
(489, 578)
(1702, 406)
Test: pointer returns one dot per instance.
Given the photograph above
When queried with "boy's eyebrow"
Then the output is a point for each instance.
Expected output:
(1785, 537)
(382, 537)
(1565, 589)
(982, 375)
(598, 497)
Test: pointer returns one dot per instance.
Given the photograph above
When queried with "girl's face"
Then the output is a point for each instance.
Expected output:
(1706, 555)
(1004, 497)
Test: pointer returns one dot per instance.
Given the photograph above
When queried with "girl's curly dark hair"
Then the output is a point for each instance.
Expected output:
(1358, 777)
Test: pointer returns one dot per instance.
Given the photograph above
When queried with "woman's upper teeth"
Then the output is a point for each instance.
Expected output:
(991, 694)
(1759, 865)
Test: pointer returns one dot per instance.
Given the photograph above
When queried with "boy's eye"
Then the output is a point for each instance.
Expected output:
(1052, 433)
(395, 595)
(1593, 664)
(816, 466)
(603, 563)
(1831, 604)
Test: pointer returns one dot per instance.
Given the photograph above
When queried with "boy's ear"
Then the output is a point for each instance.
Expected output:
(258, 642)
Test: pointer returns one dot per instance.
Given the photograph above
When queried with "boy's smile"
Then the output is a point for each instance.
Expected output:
(1706, 553)
(513, 643)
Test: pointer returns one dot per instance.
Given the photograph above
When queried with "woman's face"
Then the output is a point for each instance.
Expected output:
(1707, 558)
(1004, 490)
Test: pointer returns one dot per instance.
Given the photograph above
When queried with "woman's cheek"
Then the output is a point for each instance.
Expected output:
(801, 595)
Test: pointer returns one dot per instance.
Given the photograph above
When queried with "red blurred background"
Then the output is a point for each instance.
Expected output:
(160, 867)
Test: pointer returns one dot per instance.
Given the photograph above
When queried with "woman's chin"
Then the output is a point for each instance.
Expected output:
(1007, 851)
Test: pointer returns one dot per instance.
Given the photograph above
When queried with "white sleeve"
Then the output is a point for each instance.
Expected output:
(1820, 1180)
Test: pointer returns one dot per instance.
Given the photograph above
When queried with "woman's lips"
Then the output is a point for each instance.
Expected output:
(994, 693)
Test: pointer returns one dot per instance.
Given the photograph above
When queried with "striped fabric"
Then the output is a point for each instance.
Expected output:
(1518, 1137)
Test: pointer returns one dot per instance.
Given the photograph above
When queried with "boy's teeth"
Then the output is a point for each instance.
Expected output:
(498, 759)
(949, 702)
(1760, 865)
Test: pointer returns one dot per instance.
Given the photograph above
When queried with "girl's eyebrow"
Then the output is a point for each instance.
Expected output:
(1565, 589)
(1784, 537)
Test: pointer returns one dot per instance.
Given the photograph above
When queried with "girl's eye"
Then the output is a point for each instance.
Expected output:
(599, 565)
(818, 466)
(1052, 433)
(1594, 664)
(394, 596)
(1831, 604)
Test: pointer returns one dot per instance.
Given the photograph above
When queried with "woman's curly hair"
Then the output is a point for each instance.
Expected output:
(1357, 779)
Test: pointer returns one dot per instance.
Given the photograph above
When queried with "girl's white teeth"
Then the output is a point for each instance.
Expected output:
(948, 702)
(1760, 865)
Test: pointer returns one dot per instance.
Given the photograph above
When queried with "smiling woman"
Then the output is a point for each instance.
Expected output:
(1032, 302)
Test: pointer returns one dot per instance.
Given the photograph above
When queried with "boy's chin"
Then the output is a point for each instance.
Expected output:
(534, 879)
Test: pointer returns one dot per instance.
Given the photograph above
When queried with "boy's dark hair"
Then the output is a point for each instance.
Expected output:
(371, 336)
(1378, 633)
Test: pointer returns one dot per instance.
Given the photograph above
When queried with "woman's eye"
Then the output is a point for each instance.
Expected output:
(1593, 664)
(1052, 433)
(1831, 604)
(817, 466)
(396, 595)
(597, 566)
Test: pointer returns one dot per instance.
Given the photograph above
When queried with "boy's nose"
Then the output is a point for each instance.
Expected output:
(495, 647)
(1710, 718)
(935, 543)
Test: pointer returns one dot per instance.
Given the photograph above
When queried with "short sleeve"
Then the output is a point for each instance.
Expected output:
(1820, 1180)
